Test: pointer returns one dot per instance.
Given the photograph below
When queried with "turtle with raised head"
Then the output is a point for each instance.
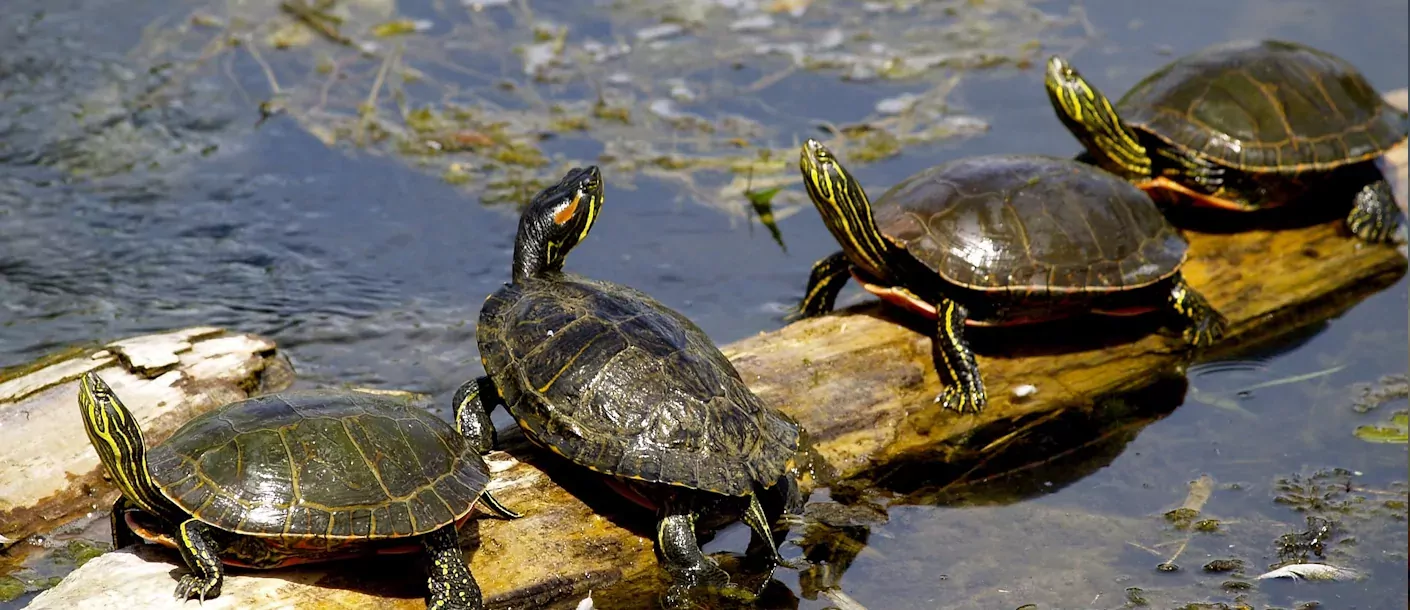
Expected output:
(616, 382)
(1244, 126)
(999, 240)
(295, 477)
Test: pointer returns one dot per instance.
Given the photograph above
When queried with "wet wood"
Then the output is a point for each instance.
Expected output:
(49, 472)
(862, 383)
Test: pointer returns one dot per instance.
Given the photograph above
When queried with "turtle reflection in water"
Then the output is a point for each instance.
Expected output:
(999, 240)
(1243, 126)
(294, 478)
(611, 379)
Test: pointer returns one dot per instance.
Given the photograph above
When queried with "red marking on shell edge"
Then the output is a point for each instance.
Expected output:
(1125, 312)
(899, 297)
(163, 539)
(1164, 183)
(905, 299)
(627, 492)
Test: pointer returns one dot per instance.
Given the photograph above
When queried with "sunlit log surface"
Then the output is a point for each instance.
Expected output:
(861, 382)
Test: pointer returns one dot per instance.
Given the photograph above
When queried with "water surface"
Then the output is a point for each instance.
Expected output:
(117, 220)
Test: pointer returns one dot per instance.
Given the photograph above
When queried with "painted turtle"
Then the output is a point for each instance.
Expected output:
(999, 240)
(1244, 126)
(292, 478)
(618, 383)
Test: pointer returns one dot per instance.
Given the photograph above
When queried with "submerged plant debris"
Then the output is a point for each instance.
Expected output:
(654, 88)
(1397, 430)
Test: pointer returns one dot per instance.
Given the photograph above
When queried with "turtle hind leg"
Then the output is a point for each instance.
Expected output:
(449, 583)
(691, 571)
(1374, 216)
(758, 521)
(964, 389)
(680, 552)
(1204, 325)
(196, 541)
(824, 283)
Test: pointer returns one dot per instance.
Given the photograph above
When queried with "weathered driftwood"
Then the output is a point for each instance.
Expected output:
(862, 385)
(48, 471)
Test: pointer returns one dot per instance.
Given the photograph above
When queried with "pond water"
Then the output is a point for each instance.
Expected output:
(116, 220)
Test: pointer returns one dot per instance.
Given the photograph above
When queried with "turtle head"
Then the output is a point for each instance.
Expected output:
(1090, 117)
(844, 207)
(557, 219)
(118, 440)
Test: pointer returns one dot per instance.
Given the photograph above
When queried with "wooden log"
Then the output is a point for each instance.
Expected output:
(862, 383)
(49, 473)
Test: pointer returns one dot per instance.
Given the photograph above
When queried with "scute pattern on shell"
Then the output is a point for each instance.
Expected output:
(1266, 106)
(327, 465)
(1031, 223)
(617, 382)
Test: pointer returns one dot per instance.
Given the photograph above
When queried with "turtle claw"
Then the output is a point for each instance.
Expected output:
(193, 585)
(959, 400)
(1206, 331)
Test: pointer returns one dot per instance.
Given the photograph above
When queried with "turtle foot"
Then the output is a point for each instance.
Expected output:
(1206, 331)
(957, 399)
(1375, 217)
(199, 587)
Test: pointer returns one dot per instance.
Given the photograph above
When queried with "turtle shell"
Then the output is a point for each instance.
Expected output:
(1266, 106)
(615, 381)
(1031, 223)
(329, 465)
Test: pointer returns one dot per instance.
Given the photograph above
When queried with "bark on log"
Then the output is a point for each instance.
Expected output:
(49, 473)
(861, 382)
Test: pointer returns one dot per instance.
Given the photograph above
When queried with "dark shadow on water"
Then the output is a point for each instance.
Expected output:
(1045, 457)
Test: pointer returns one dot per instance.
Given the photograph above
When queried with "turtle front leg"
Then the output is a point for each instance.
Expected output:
(196, 541)
(450, 585)
(472, 420)
(1375, 217)
(473, 403)
(827, 279)
(123, 536)
(1203, 324)
(1208, 175)
(964, 390)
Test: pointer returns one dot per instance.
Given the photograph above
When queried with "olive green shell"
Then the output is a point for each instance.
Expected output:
(1266, 106)
(615, 381)
(1030, 223)
(331, 465)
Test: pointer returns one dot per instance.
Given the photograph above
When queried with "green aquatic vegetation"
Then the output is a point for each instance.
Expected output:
(1397, 430)
(761, 201)
(79, 551)
(1224, 565)
(398, 27)
(1207, 526)
(11, 588)
(1336, 490)
(1367, 397)
(356, 74)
